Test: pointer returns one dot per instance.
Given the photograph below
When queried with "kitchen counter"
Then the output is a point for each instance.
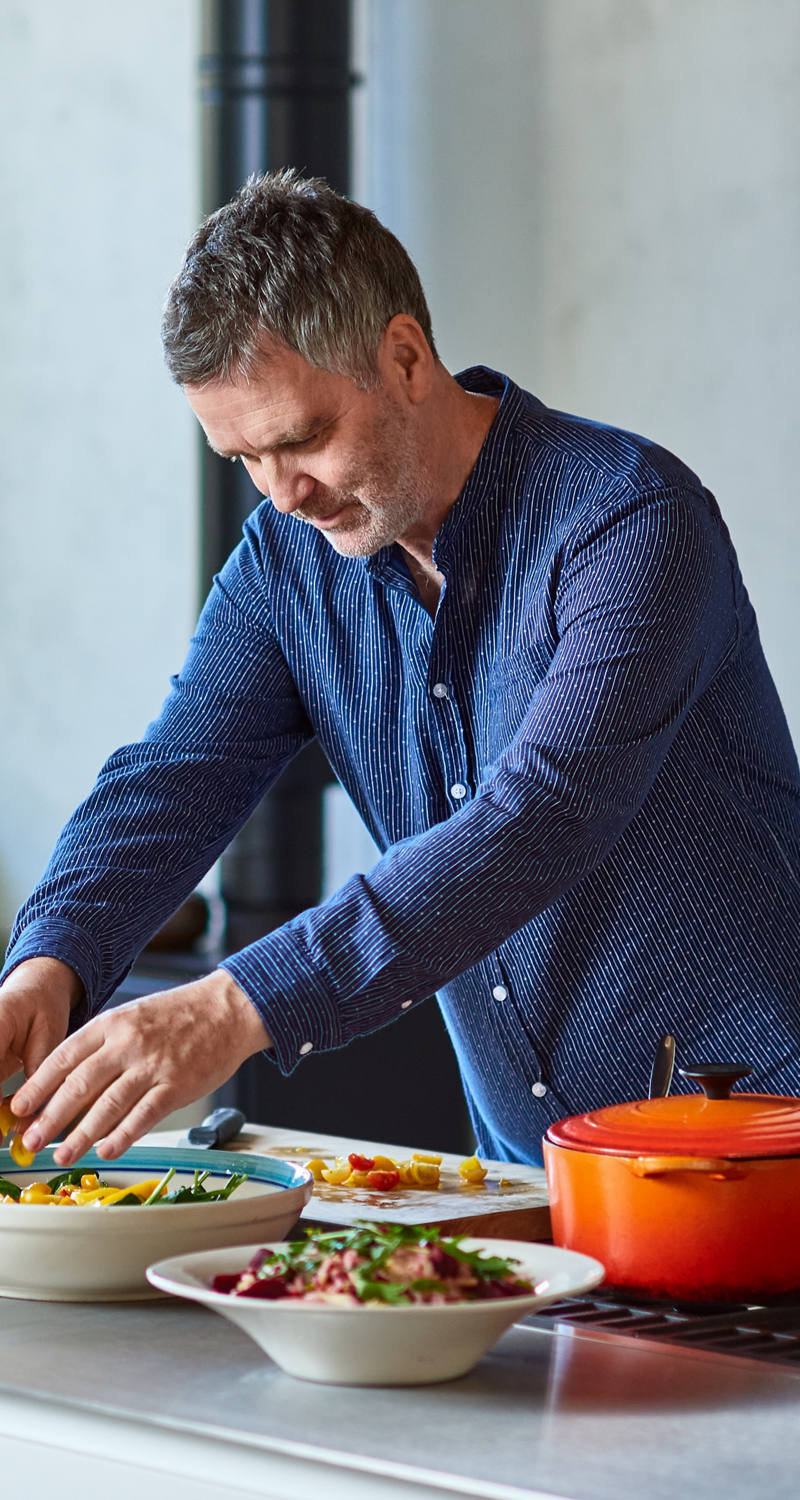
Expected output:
(104, 1398)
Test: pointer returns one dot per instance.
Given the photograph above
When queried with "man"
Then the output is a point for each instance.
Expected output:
(524, 644)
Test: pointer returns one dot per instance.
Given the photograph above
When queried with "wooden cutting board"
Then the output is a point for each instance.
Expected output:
(511, 1203)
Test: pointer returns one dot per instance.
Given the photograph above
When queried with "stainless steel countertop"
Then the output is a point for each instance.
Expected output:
(585, 1415)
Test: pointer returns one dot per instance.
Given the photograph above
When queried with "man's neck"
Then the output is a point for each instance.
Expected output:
(462, 420)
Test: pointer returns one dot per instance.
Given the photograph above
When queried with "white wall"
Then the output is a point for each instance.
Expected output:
(97, 488)
(603, 198)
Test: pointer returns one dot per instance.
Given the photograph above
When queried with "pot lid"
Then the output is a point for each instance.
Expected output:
(715, 1123)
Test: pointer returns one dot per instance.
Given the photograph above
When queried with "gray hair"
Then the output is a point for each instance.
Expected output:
(289, 257)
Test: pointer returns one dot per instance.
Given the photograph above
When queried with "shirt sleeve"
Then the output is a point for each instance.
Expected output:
(162, 810)
(645, 618)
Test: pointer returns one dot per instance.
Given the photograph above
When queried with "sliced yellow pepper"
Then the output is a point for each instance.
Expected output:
(316, 1166)
(430, 1156)
(144, 1189)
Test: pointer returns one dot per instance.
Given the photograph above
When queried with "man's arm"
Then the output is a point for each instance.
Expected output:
(162, 810)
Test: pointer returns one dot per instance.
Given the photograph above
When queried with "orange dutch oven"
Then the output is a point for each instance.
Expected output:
(694, 1198)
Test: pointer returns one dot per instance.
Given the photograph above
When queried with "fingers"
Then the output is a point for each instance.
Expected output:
(63, 1088)
(150, 1109)
(122, 1114)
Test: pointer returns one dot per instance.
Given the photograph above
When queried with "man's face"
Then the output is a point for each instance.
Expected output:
(343, 460)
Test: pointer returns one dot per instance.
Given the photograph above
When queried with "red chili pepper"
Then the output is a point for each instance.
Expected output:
(360, 1163)
(383, 1178)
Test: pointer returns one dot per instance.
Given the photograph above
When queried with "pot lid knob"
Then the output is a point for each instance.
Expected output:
(716, 1079)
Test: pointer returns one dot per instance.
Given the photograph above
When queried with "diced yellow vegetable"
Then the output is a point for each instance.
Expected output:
(8, 1120)
(472, 1170)
(384, 1164)
(357, 1179)
(424, 1174)
(20, 1154)
(316, 1166)
(90, 1180)
(36, 1192)
(336, 1175)
(427, 1156)
(406, 1170)
(39, 1190)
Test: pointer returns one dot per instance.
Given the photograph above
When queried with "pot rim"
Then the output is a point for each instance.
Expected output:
(743, 1127)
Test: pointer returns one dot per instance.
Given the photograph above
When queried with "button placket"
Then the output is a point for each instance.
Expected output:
(501, 993)
(452, 742)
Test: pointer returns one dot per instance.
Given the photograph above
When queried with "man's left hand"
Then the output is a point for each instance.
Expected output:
(125, 1070)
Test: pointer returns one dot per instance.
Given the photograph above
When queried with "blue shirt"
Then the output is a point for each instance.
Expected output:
(579, 776)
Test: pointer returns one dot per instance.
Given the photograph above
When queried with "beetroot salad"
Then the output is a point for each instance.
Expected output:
(390, 1263)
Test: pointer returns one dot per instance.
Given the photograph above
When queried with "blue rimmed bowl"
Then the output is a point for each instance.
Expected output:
(94, 1254)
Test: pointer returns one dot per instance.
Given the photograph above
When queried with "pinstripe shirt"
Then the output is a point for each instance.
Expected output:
(579, 776)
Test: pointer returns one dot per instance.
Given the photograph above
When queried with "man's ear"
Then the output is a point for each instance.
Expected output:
(405, 359)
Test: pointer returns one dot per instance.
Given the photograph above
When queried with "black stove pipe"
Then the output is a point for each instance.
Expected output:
(275, 88)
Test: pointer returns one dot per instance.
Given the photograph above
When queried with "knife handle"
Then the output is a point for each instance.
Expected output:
(217, 1128)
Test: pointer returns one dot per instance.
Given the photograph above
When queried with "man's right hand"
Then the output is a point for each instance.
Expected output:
(35, 1003)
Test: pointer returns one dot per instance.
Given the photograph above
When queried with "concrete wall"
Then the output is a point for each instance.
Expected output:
(603, 197)
(97, 488)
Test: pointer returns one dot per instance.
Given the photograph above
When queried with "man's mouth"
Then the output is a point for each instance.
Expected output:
(325, 520)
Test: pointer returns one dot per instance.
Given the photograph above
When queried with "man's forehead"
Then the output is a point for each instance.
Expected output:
(268, 409)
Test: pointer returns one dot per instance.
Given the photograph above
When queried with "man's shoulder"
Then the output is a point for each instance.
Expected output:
(612, 457)
(537, 436)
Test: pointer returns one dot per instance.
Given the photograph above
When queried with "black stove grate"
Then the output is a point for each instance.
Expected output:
(762, 1333)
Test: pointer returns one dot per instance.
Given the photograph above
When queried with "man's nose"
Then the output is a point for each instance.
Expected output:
(287, 489)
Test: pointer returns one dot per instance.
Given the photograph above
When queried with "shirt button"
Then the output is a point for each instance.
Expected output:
(538, 1090)
(439, 690)
(306, 1047)
(499, 992)
(458, 790)
(406, 1005)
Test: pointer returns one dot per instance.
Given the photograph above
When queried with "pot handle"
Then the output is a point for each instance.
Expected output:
(717, 1169)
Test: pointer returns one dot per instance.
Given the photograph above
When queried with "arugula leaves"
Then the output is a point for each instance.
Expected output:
(375, 1244)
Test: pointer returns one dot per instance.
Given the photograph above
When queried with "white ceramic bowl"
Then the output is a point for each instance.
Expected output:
(101, 1254)
(376, 1344)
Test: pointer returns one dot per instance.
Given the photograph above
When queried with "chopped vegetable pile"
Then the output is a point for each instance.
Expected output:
(385, 1173)
(390, 1263)
(86, 1189)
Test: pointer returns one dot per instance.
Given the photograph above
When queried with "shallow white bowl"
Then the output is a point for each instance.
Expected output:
(101, 1254)
(376, 1344)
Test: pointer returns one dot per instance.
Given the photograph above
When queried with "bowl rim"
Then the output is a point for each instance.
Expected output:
(595, 1272)
(271, 1172)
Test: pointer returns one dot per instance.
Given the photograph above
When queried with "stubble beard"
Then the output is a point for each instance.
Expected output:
(384, 505)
